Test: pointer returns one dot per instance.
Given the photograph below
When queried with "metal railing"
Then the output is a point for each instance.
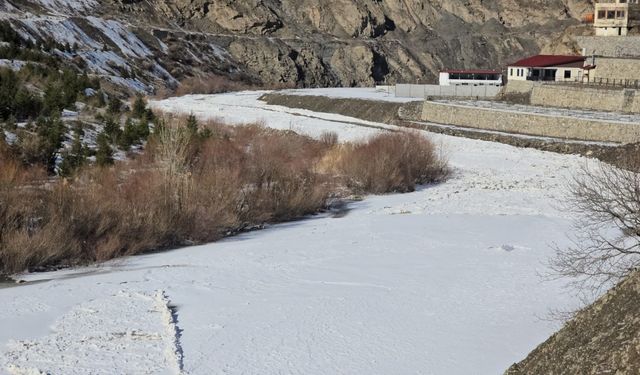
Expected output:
(603, 82)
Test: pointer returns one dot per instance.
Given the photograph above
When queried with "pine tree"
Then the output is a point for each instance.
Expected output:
(143, 129)
(112, 129)
(129, 136)
(139, 109)
(50, 131)
(115, 106)
(192, 125)
(104, 153)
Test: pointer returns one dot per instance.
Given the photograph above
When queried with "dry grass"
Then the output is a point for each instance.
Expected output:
(189, 189)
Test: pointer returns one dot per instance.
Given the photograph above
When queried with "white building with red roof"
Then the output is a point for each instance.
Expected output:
(559, 68)
(476, 77)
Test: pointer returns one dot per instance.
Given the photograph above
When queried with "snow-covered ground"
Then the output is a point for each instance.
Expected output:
(445, 280)
(244, 107)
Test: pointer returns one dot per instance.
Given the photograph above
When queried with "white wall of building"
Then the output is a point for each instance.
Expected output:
(611, 31)
(445, 80)
(515, 73)
(567, 74)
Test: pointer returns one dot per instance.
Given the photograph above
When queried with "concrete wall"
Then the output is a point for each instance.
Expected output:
(425, 91)
(601, 99)
(531, 124)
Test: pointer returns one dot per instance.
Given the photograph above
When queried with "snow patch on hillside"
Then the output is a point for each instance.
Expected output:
(12, 64)
(59, 6)
(62, 30)
(128, 43)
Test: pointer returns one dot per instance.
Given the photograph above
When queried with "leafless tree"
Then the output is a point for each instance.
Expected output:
(171, 156)
(605, 246)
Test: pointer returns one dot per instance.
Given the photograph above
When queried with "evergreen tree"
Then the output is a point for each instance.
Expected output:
(75, 157)
(115, 106)
(112, 129)
(192, 125)
(129, 136)
(9, 85)
(143, 129)
(139, 109)
(50, 132)
(104, 153)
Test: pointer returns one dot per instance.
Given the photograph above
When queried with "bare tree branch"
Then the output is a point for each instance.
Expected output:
(605, 246)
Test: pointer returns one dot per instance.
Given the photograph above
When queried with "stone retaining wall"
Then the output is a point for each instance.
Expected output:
(598, 99)
(616, 68)
(530, 124)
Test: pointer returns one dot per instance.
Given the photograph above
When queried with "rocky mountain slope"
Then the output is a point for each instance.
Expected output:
(307, 43)
(602, 339)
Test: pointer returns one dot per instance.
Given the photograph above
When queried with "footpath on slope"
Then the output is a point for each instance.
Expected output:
(408, 115)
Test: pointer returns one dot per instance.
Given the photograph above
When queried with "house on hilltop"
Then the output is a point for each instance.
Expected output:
(558, 68)
(616, 17)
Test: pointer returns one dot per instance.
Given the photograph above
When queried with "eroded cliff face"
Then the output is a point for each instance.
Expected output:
(359, 42)
(331, 42)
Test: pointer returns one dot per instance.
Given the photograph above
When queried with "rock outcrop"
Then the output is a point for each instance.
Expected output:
(317, 43)
(604, 338)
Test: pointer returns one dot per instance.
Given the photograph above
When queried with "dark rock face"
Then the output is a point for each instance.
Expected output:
(325, 43)
(604, 338)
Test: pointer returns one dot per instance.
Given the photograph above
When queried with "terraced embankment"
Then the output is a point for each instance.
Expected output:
(541, 121)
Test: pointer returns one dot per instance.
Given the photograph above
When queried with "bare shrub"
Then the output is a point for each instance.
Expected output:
(191, 187)
(388, 162)
(606, 244)
(329, 139)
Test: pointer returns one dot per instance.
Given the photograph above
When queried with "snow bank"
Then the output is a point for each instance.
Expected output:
(104, 336)
(12, 64)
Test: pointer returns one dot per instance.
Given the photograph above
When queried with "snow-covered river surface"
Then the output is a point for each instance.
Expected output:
(445, 280)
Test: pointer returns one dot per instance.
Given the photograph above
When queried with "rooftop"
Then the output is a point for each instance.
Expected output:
(542, 61)
(471, 71)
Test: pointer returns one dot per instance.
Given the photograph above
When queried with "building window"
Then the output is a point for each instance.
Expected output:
(611, 14)
(602, 14)
(621, 14)
(567, 74)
